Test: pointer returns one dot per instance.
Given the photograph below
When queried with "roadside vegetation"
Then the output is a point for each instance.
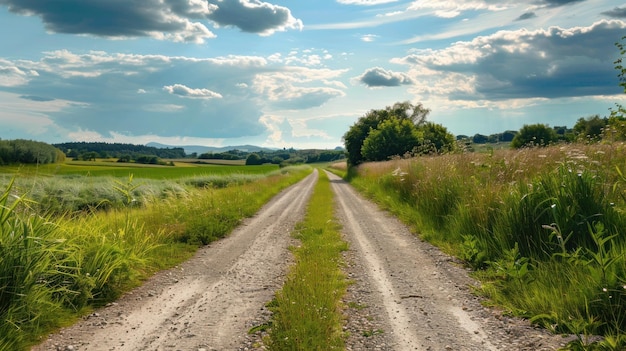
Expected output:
(542, 227)
(307, 310)
(58, 265)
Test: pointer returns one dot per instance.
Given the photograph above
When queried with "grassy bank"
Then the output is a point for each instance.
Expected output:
(307, 310)
(55, 268)
(543, 228)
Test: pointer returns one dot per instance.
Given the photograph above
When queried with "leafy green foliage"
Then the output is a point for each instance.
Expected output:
(253, 159)
(590, 128)
(620, 66)
(534, 135)
(390, 133)
(437, 139)
(393, 136)
(28, 152)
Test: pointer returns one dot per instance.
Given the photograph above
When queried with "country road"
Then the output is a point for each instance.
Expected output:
(406, 295)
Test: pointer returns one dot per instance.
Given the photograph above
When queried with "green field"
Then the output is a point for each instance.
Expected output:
(114, 169)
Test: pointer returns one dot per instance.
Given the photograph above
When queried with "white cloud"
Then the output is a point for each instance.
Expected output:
(368, 38)
(12, 76)
(553, 62)
(298, 87)
(184, 91)
(380, 77)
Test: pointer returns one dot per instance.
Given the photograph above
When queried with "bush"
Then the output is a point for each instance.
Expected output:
(534, 135)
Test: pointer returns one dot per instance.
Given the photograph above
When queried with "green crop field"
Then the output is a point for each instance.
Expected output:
(114, 169)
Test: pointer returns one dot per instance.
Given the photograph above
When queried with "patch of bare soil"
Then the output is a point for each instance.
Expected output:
(407, 295)
(207, 303)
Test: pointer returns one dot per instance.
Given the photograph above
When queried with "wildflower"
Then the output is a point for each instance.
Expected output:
(605, 289)
(553, 206)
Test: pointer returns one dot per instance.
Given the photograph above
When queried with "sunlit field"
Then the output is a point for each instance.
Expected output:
(114, 169)
(542, 227)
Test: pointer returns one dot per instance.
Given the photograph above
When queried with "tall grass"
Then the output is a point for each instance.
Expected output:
(55, 268)
(75, 194)
(307, 310)
(544, 227)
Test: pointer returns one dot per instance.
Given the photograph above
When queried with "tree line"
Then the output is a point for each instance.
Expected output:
(29, 151)
(292, 157)
(92, 150)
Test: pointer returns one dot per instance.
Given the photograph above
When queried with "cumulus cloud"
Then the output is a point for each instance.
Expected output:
(618, 12)
(184, 91)
(134, 94)
(254, 16)
(12, 76)
(380, 77)
(131, 94)
(554, 62)
(175, 20)
(299, 87)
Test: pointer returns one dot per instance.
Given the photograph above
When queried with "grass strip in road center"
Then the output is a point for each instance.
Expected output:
(307, 310)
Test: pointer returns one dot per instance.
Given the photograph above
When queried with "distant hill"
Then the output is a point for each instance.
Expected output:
(199, 149)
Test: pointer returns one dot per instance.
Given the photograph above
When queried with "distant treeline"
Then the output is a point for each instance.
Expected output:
(92, 150)
(563, 132)
(280, 157)
(28, 151)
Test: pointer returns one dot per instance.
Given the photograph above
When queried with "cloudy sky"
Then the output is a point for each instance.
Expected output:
(298, 73)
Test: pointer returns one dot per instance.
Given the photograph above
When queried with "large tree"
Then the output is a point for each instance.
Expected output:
(356, 135)
(393, 137)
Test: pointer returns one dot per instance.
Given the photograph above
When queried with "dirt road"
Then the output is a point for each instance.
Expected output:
(406, 294)
(208, 303)
(412, 296)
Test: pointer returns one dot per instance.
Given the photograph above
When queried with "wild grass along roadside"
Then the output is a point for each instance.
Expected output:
(542, 227)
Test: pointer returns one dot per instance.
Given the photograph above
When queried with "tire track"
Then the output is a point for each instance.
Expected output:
(419, 299)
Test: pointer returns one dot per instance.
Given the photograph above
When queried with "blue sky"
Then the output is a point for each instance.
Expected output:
(298, 73)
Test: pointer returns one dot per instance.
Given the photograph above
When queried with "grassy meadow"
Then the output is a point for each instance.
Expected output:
(69, 243)
(543, 228)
